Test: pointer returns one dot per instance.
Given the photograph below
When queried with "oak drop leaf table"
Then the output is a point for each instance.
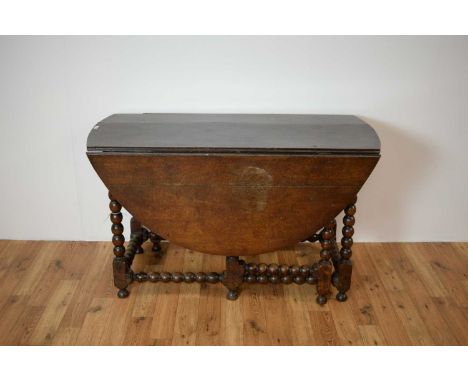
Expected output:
(235, 185)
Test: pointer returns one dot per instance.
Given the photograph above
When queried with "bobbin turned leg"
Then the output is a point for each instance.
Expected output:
(137, 229)
(233, 276)
(335, 253)
(156, 240)
(324, 269)
(122, 277)
(344, 268)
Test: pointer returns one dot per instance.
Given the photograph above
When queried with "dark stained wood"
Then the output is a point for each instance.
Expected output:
(136, 229)
(156, 240)
(117, 228)
(344, 265)
(324, 270)
(120, 264)
(269, 181)
(203, 202)
(121, 280)
(234, 133)
(233, 276)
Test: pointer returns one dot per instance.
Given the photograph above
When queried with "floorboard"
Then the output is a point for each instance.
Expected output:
(61, 293)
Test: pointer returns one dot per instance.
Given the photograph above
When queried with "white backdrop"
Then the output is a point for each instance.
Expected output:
(412, 90)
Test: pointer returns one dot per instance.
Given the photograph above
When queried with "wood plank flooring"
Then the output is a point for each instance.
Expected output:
(61, 293)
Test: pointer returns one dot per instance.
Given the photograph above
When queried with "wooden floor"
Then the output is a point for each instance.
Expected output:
(61, 293)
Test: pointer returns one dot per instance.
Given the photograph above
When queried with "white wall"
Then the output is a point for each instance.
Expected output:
(412, 90)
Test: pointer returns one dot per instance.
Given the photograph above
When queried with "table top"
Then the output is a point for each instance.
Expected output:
(234, 133)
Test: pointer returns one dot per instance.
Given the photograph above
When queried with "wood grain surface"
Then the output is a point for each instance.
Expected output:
(233, 205)
(61, 293)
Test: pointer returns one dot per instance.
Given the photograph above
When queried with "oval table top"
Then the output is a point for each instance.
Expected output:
(233, 184)
(234, 133)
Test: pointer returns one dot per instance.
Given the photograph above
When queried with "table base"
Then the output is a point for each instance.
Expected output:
(333, 268)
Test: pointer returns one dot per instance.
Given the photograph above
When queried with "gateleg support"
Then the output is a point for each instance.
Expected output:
(156, 240)
(136, 229)
(324, 269)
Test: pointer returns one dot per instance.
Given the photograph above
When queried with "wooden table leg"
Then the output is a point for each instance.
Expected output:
(156, 240)
(335, 256)
(233, 276)
(342, 275)
(324, 269)
(137, 229)
(120, 263)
